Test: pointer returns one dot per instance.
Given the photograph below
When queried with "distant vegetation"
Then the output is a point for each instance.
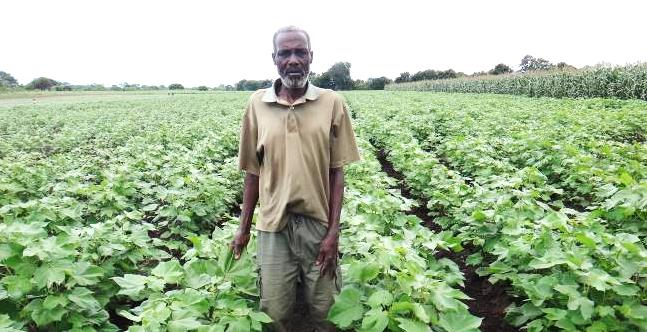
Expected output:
(7, 81)
(536, 77)
(42, 83)
(252, 85)
(624, 82)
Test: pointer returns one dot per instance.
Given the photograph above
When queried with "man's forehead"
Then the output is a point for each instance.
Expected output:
(291, 39)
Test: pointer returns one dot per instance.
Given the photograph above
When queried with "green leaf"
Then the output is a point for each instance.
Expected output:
(212, 328)
(16, 286)
(474, 259)
(42, 315)
(420, 312)
(369, 272)
(586, 240)
(53, 301)
(170, 271)
(126, 314)
(459, 321)
(445, 298)
(524, 313)
(260, 316)
(626, 290)
(8, 250)
(83, 297)
(604, 311)
(131, 284)
(229, 260)
(183, 217)
(411, 325)
(184, 324)
(347, 307)
(598, 279)
(49, 275)
(586, 308)
(634, 310)
(87, 274)
(626, 179)
(597, 327)
(479, 216)
(375, 321)
(363, 272)
(7, 325)
(554, 314)
(380, 297)
(239, 325)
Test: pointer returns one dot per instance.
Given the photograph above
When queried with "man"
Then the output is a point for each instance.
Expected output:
(295, 140)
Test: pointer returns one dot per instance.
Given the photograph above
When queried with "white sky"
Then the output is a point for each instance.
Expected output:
(212, 42)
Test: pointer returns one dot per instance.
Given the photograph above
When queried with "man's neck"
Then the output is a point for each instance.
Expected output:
(291, 95)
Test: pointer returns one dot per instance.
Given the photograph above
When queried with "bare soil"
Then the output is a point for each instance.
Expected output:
(488, 300)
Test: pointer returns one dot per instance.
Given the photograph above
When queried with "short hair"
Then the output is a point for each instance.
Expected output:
(290, 28)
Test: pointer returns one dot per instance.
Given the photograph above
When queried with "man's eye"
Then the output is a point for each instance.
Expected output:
(301, 53)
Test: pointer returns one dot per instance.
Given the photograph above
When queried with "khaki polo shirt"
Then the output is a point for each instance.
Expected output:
(291, 148)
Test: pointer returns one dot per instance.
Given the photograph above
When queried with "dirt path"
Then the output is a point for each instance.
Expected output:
(488, 301)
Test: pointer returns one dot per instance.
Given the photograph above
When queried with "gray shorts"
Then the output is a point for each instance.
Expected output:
(287, 257)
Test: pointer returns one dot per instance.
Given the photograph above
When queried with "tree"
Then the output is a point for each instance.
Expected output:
(202, 88)
(175, 86)
(252, 85)
(431, 74)
(63, 87)
(564, 66)
(321, 80)
(530, 63)
(500, 69)
(360, 85)
(42, 83)
(6, 80)
(378, 83)
(336, 78)
(404, 77)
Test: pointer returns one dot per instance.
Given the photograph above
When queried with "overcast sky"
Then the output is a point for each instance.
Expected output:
(212, 42)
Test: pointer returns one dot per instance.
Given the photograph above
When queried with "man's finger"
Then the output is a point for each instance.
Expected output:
(319, 259)
(331, 267)
(322, 269)
(326, 266)
(236, 250)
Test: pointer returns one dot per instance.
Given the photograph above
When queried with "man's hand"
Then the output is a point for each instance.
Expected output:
(241, 238)
(250, 197)
(327, 259)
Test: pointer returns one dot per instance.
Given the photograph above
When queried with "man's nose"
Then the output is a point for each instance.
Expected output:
(293, 59)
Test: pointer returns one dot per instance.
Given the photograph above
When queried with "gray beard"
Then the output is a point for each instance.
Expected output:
(294, 83)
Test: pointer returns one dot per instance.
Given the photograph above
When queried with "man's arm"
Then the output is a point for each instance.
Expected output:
(328, 249)
(250, 197)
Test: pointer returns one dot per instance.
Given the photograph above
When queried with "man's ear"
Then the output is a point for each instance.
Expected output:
(311, 55)
(274, 57)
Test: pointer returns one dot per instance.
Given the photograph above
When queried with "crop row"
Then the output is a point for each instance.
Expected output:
(93, 194)
(571, 269)
(117, 215)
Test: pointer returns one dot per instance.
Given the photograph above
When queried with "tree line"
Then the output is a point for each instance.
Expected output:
(338, 77)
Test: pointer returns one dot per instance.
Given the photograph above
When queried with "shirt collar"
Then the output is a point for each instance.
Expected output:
(312, 93)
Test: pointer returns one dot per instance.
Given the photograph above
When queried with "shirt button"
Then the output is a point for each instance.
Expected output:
(292, 121)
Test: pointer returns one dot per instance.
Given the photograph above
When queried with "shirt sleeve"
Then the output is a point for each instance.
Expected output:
(247, 156)
(343, 148)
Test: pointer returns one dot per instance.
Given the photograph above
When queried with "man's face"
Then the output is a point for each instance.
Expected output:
(292, 58)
